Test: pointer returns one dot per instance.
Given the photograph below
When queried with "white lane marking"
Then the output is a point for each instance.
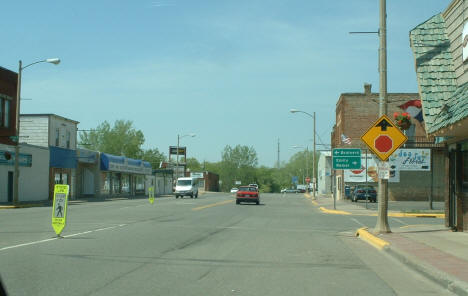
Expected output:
(355, 220)
(28, 244)
(55, 238)
(399, 221)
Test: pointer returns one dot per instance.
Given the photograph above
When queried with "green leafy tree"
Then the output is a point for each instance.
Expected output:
(237, 164)
(120, 139)
(194, 165)
(154, 157)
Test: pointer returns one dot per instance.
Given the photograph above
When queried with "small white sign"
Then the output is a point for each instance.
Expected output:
(238, 182)
(465, 41)
(384, 170)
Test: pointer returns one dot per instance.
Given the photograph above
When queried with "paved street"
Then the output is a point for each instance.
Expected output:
(204, 246)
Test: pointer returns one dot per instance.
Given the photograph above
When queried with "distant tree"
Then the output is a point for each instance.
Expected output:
(154, 157)
(120, 139)
(194, 165)
(237, 164)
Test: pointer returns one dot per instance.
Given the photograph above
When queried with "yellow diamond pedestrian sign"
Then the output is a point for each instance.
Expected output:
(384, 137)
(59, 208)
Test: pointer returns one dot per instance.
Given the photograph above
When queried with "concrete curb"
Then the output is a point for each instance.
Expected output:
(443, 279)
(23, 206)
(336, 212)
(371, 239)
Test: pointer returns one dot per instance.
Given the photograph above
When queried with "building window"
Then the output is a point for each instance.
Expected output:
(5, 103)
(6, 114)
(57, 137)
(68, 139)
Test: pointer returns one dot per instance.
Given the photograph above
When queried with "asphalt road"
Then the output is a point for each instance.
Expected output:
(204, 246)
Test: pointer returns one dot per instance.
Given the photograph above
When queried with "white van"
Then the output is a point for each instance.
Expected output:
(186, 187)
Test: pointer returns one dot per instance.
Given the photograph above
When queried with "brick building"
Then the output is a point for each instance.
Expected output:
(355, 113)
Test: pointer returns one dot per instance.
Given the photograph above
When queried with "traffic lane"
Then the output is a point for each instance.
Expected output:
(33, 224)
(100, 259)
(254, 249)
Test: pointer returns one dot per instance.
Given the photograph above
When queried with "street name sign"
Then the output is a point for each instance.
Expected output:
(59, 208)
(346, 159)
(151, 194)
(383, 138)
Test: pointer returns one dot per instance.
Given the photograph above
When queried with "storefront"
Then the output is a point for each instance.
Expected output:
(62, 169)
(122, 176)
(34, 173)
(440, 50)
(87, 172)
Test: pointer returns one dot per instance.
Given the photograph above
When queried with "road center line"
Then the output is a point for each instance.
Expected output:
(212, 205)
(55, 238)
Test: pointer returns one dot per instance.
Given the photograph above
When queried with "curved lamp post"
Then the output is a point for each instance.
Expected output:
(54, 61)
(314, 179)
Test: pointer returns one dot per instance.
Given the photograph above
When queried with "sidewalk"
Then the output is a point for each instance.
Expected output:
(432, 250)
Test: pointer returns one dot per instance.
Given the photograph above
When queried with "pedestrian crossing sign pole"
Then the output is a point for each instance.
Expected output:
(151, 194)
(59, 208)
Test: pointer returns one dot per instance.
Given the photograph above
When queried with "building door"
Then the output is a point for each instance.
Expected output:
(10, 187)
(452, 189)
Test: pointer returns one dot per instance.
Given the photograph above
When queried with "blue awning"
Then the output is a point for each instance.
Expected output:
(62, 158)
(123, 164)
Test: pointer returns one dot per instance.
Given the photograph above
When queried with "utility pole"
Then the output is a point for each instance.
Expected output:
(17, 148)
(314, 175)
(382, 219)
(278, 162)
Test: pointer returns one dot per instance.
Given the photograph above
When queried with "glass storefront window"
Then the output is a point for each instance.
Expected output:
(116, 183)
(125, 183)
(105, 183)
(140, 183)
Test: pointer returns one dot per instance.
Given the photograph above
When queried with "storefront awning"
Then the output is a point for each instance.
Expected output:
(123, 164)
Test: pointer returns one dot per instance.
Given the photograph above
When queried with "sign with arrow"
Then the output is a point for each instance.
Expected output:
(383, 138)
(346, 159)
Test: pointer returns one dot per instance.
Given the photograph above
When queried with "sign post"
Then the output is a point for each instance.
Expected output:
(59, 208)
(151, 195)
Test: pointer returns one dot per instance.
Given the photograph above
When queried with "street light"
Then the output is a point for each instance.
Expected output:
(314, 181)
(178, 142)
(54, 61)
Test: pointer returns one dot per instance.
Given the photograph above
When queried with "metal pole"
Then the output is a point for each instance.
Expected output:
(16, 171)
(314, 181)
(307, 167)
(177, 158)
(367, 199)
(382, 219)
(432, 181)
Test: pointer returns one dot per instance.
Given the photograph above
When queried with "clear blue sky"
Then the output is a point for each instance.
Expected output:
(228, 71)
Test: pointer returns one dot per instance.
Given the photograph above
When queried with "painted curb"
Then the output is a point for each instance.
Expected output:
(372, 239)
(22, 206)
(336, 212)
(444, 280)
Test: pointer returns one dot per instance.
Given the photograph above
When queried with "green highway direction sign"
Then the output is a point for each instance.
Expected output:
(346, 159)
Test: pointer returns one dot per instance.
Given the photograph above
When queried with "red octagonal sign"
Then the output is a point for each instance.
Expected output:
(383, 143)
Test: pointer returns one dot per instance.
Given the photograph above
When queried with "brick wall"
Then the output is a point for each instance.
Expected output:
(356, 112)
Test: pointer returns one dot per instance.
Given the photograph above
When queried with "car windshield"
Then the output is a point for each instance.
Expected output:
(184, 182)
(247, 188)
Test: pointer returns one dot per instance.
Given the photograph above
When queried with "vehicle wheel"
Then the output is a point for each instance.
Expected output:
(191, 196)
(237, 202)
(196, 195)
(258, 202)
(176, 196)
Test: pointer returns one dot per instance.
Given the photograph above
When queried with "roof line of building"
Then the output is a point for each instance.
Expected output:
(50, 114)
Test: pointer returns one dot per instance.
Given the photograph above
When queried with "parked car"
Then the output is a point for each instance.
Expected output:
(289, 190)
(234, 190)
(361, 192)
(248, 194)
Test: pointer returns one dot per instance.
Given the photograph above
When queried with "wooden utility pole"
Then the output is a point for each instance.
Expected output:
(382, 219)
